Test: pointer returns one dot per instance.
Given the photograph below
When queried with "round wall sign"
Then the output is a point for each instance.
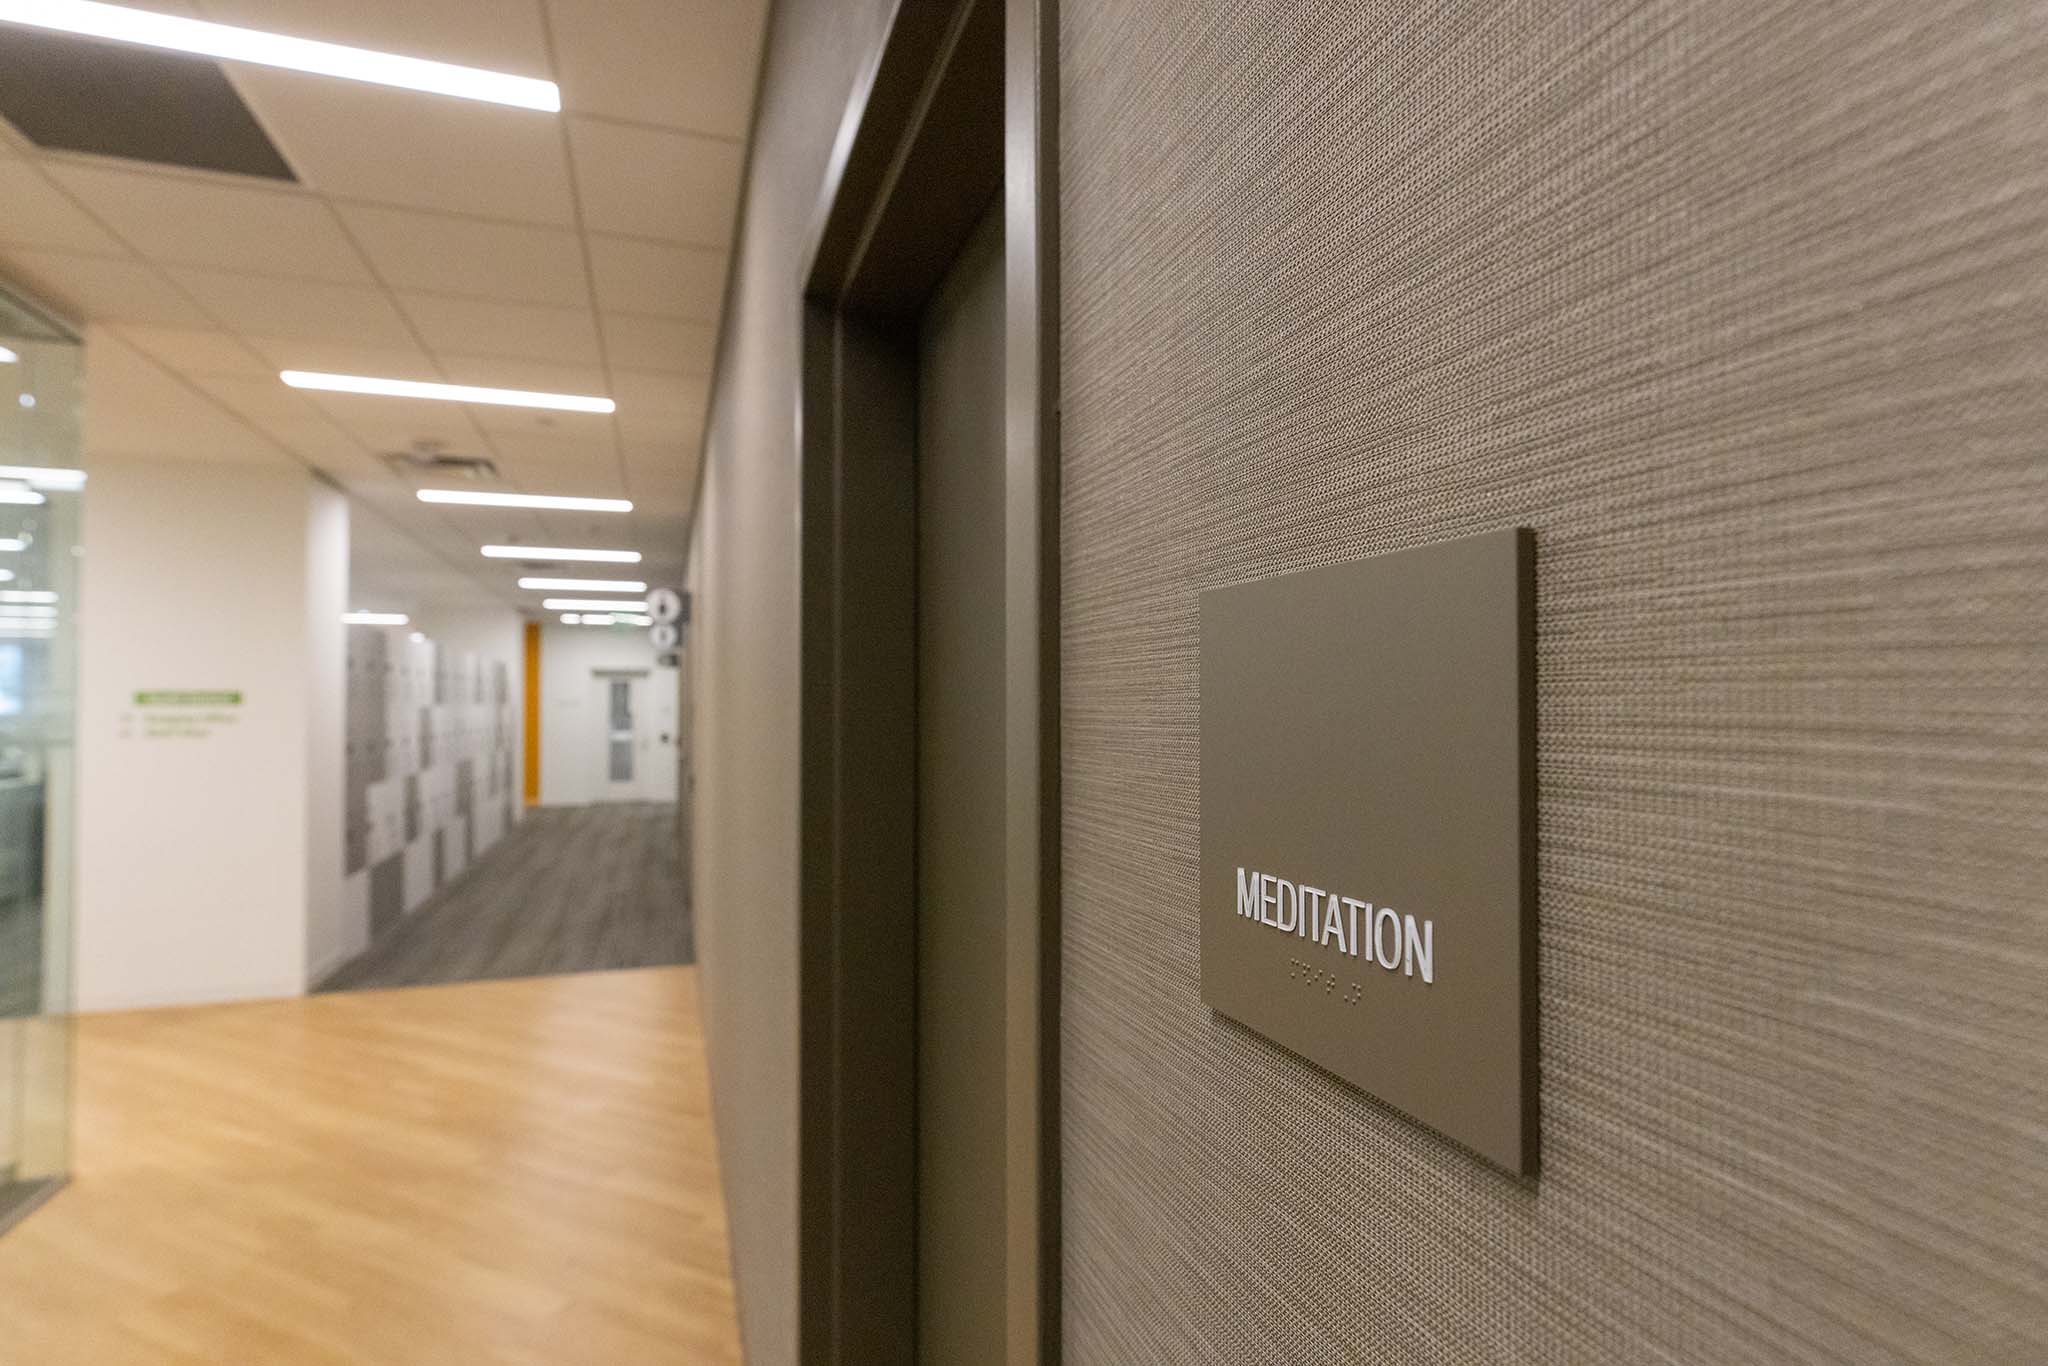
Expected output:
(665, 605)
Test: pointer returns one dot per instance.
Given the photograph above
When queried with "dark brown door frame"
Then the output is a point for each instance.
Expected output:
(956, 109)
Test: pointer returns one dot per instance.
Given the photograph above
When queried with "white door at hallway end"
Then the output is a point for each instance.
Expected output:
(630, 741)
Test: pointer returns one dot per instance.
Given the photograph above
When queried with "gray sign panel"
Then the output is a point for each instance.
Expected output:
(1368, 828)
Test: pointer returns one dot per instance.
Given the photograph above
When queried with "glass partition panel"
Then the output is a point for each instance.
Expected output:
(41, 488)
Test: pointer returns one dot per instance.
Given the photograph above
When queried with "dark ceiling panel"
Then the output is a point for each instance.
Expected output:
(84, 95)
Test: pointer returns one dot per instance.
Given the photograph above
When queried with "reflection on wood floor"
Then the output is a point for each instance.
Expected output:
(506, 1172)
(568, 889)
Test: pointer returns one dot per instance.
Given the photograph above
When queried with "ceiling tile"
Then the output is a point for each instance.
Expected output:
(514, 372)
(659, 408)
(311, 310)
(451, 255)
(665, 537)
(183, 219)
(199, 351)
(556, 447)
(637, 276)
(589, 434)
(384, 425)
(663, 500)
(37, 214)
(104, 288)
(576, 479)
(685, 63)
(406, 361)
(400, 147)
(294, 421)
(586, 528)
(635, 342)
(480, 327)
(649, 182)
(139, 410)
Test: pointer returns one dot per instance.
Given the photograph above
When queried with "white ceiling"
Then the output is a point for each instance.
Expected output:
(428, 238)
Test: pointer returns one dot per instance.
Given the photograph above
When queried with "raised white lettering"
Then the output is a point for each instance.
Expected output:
(1419, 949)
(1397, 942)
(1388, 956)
(1248, 894)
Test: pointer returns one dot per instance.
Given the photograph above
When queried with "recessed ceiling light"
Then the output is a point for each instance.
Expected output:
(45, 476)
(525, 500)
(571, 619)
(452, 393)
(588, 585)
(591, 605)
(124, 25)
(8, 357)
(375, 618)
(553, 552)
(418, 637)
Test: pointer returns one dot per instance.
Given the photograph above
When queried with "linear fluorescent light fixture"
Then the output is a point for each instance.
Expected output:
(544, 553)
(25, 497)
(225, 41)
(591, 605)
(28, 594)
(375, 618)
(587, 585)
(45, 476)
(12, 544)
(8, 357)
(451, 393)
(523, 500)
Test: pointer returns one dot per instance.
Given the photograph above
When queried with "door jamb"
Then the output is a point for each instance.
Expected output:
(924, 103)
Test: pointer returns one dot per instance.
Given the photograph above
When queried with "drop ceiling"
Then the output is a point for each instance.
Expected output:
(426, 238)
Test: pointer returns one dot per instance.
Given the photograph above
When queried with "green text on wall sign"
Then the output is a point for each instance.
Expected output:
(185, 697)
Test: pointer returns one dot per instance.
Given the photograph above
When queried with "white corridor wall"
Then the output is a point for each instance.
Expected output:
(209, 838)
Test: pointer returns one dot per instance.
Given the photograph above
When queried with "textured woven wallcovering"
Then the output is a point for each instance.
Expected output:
(1744, 308)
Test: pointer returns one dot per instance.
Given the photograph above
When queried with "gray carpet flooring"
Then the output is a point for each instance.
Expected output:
(568, 889)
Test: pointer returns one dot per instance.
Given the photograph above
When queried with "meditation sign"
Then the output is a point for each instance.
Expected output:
(1368, 888)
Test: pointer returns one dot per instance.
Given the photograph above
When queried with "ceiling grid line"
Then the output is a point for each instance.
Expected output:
(547, 28)
(486, 249)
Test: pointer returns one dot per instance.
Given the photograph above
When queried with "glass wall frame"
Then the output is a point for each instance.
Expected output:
(41, 495)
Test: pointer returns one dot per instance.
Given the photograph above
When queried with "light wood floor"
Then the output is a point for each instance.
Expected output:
(505, 1172)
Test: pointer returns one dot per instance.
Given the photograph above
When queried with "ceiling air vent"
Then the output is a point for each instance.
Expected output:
(431, 460)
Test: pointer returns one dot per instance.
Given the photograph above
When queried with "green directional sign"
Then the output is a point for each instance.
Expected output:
(189, 697)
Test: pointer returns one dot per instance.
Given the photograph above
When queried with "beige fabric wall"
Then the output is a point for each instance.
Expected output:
(744, 562)
(1744, 307)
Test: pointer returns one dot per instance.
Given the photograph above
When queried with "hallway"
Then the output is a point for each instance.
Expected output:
(512, 1172)
(568, 889)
